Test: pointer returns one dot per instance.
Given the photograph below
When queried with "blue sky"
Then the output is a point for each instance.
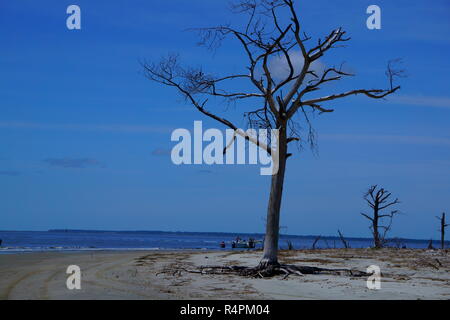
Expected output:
(84, 136)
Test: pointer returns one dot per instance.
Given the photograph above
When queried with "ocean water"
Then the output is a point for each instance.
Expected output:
(78, 240)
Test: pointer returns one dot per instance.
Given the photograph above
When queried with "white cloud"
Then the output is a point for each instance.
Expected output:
(279, 67)
(424, 101)
(77, 163)
(87, 127)
(395, 139)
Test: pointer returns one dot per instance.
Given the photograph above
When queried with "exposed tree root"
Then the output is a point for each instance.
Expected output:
(269, 271)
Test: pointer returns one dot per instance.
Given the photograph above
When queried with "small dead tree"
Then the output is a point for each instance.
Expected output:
(393, 70)
(379, 200)
(271, 31)
(344, 242)
(430, 245)
(313, 246)
(442, 229)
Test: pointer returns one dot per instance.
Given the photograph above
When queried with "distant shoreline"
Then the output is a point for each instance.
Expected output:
(234, 234)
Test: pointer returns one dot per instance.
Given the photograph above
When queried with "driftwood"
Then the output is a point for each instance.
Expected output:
(435, 264)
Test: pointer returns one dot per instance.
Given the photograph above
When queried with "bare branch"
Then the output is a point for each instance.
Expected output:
(371, 93)
(365, 215)
(396, 201)
(264, 37)
(334, 37)
(168, 72)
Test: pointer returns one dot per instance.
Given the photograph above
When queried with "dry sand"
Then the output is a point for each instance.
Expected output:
(407, 274)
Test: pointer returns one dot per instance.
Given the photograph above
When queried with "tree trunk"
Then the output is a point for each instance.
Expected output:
(443, 231)
(270, 257)
(376, 234)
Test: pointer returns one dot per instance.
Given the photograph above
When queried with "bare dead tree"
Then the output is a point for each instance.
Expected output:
(442, 229)
(313, 246)
(393, 71)
(344, 242)
(283, 101)
(379, 200)
(430, 245)
(290, 245)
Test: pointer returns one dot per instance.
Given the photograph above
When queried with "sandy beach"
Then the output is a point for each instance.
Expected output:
(406, 274)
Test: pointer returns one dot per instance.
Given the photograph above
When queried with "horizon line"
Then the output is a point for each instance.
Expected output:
(219, 232)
